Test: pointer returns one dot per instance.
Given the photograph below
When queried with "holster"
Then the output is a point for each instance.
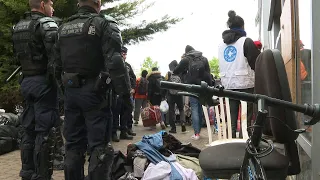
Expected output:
(102, 83)
(71, 80)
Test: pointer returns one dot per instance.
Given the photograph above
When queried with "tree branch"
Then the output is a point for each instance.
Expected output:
(144, 31)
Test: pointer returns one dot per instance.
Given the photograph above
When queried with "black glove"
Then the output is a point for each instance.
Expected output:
(126, 100)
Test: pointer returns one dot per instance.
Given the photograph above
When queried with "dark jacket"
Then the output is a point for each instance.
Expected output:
(132, 76)
(183, 66)
(250, 50)
(153, 77)
(172, 67)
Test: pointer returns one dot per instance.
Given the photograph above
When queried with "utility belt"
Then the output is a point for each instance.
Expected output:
(75, 80)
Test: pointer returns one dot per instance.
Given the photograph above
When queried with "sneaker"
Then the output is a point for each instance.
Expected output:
(195, 137)
(136, 123)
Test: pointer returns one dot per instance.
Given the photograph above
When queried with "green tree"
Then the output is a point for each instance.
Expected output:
(148, 64)
(214, 66)
(12, 10)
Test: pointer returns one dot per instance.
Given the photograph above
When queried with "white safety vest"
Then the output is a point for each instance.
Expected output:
(234, 68)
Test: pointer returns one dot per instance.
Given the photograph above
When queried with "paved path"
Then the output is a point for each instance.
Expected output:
(10, 163)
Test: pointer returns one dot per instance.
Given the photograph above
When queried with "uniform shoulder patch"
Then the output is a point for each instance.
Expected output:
(46, 19)
(48, 23)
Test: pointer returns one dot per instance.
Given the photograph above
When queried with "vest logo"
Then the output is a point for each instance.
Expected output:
(92, 30)
(72, 29)
(230, 54)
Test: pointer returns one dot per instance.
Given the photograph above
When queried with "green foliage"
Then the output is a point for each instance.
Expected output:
(12, 10)
(214, 66)
(133, 34)
(148, 64)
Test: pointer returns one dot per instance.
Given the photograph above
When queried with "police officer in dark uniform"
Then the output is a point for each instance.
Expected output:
(122, 110)
(33, 39)
(88, 55)
(133, 78)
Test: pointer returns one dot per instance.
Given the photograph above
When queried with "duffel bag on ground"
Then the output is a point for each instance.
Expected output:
(150, 115)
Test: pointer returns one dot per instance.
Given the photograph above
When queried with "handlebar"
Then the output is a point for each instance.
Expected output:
(205, 90)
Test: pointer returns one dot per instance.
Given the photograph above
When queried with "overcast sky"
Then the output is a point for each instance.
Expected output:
(305, 22)
(201, 27)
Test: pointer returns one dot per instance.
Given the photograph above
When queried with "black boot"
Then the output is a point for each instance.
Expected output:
(183, 128)
(115, 137)
(43, 161)
(173, 130)
(74, 162)
(130, 132)
(27, 170)
(125, 135)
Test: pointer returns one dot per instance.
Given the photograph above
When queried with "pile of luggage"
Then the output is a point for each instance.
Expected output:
(10, 132)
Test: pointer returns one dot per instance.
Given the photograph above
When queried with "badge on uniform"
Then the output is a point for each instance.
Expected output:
(92, 30)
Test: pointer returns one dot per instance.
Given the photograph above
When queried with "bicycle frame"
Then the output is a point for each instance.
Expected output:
(250, 162)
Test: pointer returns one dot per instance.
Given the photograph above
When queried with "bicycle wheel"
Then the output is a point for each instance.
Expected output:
(253, 170)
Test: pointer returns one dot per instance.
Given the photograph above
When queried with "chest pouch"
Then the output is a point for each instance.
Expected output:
(71, 80)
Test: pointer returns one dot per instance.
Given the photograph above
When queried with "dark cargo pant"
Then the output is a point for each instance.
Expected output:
(125, 118)
(39, 116)
(172, 101)
(86, 124)
(234, 111)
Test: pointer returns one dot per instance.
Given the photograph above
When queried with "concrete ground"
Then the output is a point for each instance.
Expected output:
(10, 163)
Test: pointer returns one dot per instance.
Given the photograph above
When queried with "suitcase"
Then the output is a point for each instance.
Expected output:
(150, 115)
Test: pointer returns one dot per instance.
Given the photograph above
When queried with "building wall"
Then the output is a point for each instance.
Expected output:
(308, 143)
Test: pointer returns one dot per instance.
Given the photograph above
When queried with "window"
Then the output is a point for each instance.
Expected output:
(303, 79)
(304, 74)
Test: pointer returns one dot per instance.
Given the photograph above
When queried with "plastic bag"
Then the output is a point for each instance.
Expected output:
(164, 107)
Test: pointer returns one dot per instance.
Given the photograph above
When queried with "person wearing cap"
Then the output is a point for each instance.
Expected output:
(258, 45)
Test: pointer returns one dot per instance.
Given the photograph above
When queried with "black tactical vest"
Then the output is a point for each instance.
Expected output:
(28, 48)
(80, 46)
